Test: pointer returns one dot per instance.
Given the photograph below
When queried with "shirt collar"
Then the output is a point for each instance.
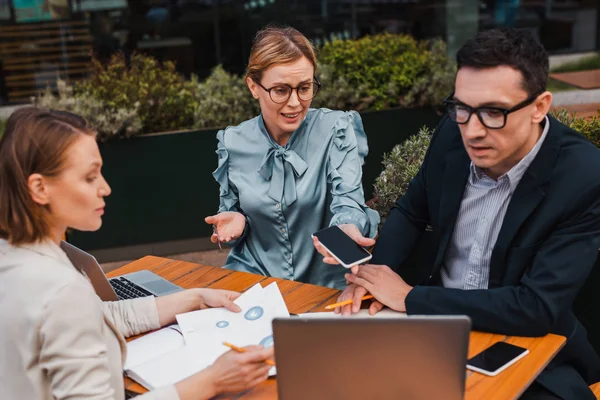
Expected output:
(45, 248)
(515, 174)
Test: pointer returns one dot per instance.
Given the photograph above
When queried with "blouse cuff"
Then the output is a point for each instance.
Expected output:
(362, 221)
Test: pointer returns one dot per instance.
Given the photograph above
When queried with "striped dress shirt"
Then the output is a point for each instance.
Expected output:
(482, 210)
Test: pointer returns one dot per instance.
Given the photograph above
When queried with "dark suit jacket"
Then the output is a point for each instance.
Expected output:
(544, 252)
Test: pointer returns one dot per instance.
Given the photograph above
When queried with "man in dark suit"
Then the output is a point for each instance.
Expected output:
(513, 198)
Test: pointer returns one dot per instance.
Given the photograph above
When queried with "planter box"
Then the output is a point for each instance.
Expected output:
(162, 184)
(387, 128)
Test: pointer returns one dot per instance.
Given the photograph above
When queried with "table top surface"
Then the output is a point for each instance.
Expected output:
(302, 298)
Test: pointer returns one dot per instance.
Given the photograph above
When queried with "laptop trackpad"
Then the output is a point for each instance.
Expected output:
(160, 286)
(152, 282)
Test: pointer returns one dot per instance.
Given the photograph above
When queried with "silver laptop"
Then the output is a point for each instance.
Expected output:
(128, 286)
(413, 358)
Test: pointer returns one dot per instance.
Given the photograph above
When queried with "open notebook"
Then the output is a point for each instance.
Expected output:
(173, 353)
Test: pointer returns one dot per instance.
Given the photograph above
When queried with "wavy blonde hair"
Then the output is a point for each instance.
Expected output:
(275, 46)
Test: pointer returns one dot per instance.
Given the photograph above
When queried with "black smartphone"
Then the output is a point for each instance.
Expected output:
(345, 250)
(496, 358)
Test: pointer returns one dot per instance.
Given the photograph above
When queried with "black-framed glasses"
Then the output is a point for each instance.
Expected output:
(282, 93)
(490, 117)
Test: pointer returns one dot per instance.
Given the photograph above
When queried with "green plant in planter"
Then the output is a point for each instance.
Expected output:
(399, 168)
(164, 100)
(223, 99)
(108, 121)
(589, 127)
(336, 93)
(389, 70)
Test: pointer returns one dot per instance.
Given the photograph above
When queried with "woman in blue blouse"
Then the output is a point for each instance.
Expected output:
(291, 171)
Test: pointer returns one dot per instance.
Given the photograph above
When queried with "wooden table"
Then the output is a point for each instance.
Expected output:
(302, 298)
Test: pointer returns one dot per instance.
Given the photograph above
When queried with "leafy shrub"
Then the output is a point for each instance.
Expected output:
(399, 167)
(389, 70)
(122, 99)
(336, 93)
(589, 127)
(432, 87)
(223, 99)
(108, 121)
(164, 99)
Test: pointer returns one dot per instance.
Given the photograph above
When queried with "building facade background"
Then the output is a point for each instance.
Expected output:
(200, 34)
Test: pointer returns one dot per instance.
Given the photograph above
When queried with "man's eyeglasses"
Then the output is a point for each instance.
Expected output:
(282, 93)
(490, 117)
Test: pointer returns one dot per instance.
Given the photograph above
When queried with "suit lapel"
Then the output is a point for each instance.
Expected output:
(455, 179)
(526, 198)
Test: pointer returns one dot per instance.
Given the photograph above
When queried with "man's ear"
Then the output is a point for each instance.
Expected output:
(37, 189)
(252, 86)
(542, 106)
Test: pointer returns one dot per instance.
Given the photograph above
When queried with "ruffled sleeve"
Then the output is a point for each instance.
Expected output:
(344, 174)
(228, 197)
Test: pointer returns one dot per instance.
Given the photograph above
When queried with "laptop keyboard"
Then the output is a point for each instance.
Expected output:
(126, 289)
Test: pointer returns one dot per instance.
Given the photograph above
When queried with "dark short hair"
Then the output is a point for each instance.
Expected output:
(516, 48)
(35, 141)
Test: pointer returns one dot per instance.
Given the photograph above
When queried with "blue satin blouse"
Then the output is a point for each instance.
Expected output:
(289, 192)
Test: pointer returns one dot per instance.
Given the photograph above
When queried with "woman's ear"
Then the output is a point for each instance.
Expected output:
(252, 86)
(37, 189)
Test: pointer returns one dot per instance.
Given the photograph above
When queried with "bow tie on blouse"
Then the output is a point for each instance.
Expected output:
(281, 166)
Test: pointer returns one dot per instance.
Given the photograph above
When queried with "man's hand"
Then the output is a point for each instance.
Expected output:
(355, 293)
(354, 233)
(383, 283)
(229, 225)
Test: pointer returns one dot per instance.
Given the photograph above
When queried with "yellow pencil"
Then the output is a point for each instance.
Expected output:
(242, 350)
(343, 303)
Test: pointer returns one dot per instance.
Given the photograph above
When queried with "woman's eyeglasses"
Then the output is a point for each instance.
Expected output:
(282, 93)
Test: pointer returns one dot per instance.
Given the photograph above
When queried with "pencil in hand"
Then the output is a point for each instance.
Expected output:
(343, 303)
(242, 350)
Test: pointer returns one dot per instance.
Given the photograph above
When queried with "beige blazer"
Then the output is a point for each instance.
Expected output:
(58, 340)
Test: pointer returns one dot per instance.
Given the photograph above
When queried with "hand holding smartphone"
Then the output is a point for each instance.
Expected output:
(496, 358)
(341, 246)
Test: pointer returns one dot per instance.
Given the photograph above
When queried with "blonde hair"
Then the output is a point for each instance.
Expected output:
(274, 46)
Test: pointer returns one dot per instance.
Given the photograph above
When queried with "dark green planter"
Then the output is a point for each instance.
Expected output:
(387, 128)
(162, 184)
(162, 189)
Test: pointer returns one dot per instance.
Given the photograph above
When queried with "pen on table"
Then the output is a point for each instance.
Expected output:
(242, 350)
(343, 303)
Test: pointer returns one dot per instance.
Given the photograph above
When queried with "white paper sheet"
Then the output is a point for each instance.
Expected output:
(208, 329)
(251, 326)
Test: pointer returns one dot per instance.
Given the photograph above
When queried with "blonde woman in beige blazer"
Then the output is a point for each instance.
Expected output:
(58, 340)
